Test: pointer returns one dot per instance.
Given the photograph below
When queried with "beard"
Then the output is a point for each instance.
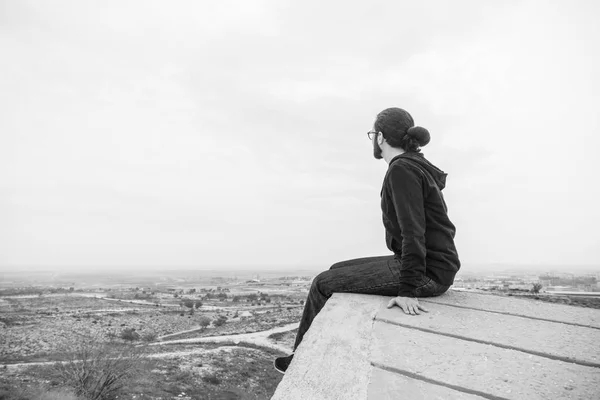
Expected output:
(377, 153)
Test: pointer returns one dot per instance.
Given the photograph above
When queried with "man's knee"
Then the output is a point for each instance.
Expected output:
(317, 283)
(317, 280)
(340, 264)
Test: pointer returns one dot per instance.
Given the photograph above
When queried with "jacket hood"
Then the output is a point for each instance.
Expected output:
(438, 175)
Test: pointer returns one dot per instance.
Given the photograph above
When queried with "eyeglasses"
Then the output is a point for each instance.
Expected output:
(372, 134)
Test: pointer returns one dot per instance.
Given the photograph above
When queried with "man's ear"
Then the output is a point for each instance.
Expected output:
(380, 139)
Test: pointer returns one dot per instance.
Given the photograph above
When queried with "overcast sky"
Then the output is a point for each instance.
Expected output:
(233, 133)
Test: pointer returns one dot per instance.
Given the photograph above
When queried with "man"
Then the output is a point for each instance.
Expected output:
(417, 229)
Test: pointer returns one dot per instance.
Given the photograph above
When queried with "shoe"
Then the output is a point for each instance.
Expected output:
(281, 364)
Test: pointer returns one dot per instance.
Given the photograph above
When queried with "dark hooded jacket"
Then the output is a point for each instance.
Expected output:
(415, 217)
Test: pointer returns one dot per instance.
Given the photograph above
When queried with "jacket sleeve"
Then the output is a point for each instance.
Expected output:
(407, 195)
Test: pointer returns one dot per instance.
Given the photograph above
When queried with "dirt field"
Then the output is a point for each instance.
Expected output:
(42, 328)
(174, 372)
(37, 330)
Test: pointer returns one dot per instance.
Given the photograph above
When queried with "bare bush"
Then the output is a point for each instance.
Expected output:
(97, 371)
(149, 336)
(536, 287)
(212, 379)
(130, 334)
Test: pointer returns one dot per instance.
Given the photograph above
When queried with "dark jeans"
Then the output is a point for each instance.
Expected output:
(370, 275)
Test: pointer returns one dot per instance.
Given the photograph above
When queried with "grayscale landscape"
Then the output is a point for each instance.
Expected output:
(193, 334)
(186, 324)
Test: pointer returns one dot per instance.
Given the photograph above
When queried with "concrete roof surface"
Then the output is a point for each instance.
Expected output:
(468, 346)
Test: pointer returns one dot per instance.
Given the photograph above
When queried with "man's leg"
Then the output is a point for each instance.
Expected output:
(359, 261)
(430, 288)
(379, 276)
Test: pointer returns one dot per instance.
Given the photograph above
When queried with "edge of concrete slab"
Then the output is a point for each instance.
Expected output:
(332, 362)
(343, 357)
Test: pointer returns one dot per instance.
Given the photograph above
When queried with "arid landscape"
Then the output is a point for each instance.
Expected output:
(210, 337)
(172, 335)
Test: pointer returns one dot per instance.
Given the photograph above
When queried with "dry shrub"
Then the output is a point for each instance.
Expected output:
(129, 334)
(97, 371)
(212, 379)
(149, 336)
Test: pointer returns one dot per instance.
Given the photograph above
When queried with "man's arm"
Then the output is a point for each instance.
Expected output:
(407, 195)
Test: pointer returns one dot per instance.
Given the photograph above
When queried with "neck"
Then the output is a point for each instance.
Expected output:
(391, 153)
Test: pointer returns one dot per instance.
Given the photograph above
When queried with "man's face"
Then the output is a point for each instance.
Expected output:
(377, 152)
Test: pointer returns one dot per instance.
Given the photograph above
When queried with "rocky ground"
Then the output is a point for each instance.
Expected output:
(172, 372)
(37, 331)
(42, 328)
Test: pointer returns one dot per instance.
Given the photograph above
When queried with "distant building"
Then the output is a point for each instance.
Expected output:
(245, 315)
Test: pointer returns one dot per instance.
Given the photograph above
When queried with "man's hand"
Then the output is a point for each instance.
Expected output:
(409, 305)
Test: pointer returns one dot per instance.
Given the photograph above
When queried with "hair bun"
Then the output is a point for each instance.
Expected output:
(421, 135)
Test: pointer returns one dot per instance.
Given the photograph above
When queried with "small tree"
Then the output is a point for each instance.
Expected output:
(204, 322)
(220, 320)
(188, 303)
(536, 287)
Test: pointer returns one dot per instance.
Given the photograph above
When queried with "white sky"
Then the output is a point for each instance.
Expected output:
(232, 133)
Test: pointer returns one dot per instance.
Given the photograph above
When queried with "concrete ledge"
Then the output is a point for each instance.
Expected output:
(524, 307)
(481, 369)
(333, 359)
(469, 346)
(559, 341)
